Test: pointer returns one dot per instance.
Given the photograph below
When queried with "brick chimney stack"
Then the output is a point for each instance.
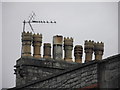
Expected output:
(37, 43)
(26, 43)
(98, 50)
(47, 50)
(89, 46)
(68, 47)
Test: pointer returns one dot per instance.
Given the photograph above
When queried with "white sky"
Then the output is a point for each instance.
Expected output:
(82, 21)
(60, 0)
(0, 45)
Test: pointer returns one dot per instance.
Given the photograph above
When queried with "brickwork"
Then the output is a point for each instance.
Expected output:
(37, 43)
(26, 43)
(47, 50)
(104, 73)
(68, 47)
(98, 50)
(74, 79)
(89, 47)
(54, 72)
(31, 69)
(109, 75)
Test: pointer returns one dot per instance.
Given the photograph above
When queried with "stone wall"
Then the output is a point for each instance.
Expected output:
(77, 78)
(104, 73)
(74, 77)
(31, 69)
(109, 72)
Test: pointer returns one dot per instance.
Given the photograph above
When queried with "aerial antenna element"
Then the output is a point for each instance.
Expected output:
(31, 20)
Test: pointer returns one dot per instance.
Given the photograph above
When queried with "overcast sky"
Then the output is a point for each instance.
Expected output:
(1, 45)
(82, 21)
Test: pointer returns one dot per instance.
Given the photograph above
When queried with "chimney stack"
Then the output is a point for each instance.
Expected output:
(47, 50)
(68, 47)
(98, 50)
(57, 47)
(78, 52)
(37, 43)
(89, 46)
(26, 43)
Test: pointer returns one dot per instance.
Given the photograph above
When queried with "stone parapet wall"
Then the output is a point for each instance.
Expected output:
(51, 63)
(81, 77)
(31, 69)
(109, 72)
(77, 76)
(104, 73)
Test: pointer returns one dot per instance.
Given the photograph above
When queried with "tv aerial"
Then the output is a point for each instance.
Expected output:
(31, 20)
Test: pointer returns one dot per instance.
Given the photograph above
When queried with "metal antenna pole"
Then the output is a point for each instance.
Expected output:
(31, 27)
(24, 25)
